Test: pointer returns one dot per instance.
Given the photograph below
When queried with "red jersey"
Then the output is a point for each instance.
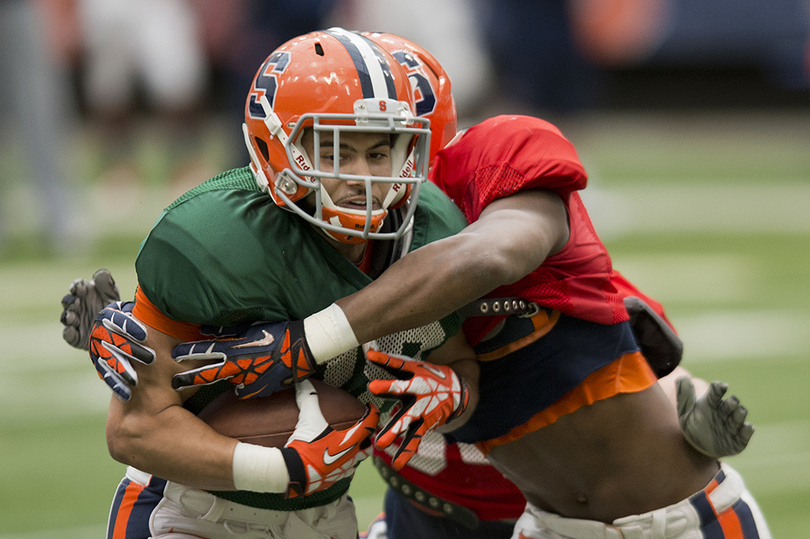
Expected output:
(507, 154)
(483, 166)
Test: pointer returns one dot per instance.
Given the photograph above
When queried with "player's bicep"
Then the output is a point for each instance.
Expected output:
(531, 213)
(522, 230)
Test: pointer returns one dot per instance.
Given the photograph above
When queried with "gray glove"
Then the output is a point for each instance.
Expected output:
(714, 426)
(83, 303)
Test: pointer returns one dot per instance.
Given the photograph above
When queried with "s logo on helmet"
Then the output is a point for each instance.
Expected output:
(423, 92)
(266, 83)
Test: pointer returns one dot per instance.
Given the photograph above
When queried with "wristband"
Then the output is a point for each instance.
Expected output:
(259, 469)
(329, 334)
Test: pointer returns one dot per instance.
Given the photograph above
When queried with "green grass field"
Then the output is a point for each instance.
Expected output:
(707, 213)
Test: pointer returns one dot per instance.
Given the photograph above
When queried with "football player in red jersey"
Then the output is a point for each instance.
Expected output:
(449, 489)
(569, 409)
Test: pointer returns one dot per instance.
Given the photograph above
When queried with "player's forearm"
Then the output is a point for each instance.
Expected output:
(154, 433)
(173, 445)
(512, 237)
(426, 285)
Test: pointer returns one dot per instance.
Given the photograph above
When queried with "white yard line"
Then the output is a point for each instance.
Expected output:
(699, 206)
(684, 278)
(748, 335)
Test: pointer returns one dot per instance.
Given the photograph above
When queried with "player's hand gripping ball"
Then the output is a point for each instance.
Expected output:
(317, 455)
(430, 395)
(322, 431)
(259, 359)
(270, 421)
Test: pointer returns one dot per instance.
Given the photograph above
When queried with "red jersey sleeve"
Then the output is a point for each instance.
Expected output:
(504, 155)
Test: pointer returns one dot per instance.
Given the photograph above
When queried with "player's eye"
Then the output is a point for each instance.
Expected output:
(379, 154)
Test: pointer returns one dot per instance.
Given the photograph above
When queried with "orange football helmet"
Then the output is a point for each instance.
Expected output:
(431, 85)
(334, 81)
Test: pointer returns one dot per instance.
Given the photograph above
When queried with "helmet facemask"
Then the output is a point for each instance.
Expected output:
(410, 142)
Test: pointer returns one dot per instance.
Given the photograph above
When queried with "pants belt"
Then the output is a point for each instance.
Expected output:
(216, 509)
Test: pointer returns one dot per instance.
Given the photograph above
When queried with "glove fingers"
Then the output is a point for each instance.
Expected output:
(714, 395)
(388, 388)
(738, 415)
(68, 300)
(393, 428)
(141, 353)
(126, 348)
(364, 428)
(123, 324)
(685, 396)
(105, 286)
(411, 441)
(745, 434)
(389, 432)
(186, 351)
(79, 287)
(391, 364)
(205, 375)
(69, 318)
(72, 337)
(113, 379)
(123, 365)
(727, 408)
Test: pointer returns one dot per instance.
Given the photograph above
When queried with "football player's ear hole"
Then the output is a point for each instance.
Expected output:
(262, 145)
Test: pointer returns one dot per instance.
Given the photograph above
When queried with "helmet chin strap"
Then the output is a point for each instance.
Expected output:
(327, 202)
(398, 190)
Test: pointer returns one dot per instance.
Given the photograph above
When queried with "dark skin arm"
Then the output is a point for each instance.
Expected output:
(511, 238)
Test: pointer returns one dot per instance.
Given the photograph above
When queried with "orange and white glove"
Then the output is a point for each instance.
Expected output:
(317, 456)
(430, 395)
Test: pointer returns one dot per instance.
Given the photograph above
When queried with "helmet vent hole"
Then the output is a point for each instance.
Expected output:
(318, 49)
(262, 146)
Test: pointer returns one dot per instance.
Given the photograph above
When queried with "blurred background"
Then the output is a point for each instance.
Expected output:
(692, 118)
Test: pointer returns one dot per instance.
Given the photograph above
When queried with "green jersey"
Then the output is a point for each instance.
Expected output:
(224, 253)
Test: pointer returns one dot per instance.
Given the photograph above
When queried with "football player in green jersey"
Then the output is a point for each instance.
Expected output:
(338, 161)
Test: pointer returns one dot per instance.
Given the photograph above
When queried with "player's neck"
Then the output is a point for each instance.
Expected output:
(352, 252)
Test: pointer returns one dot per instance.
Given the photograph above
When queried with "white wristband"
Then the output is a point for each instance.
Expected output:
(329, 334)
(259, 469)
